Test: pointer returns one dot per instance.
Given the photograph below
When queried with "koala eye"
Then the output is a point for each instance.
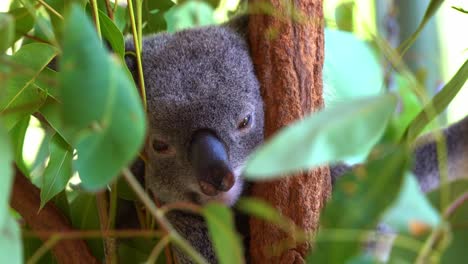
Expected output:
(245, 122)
(161, 147)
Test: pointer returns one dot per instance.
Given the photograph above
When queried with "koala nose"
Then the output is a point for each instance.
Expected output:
(209, 159)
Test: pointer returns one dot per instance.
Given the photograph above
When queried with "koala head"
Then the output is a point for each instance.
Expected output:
(205, 113)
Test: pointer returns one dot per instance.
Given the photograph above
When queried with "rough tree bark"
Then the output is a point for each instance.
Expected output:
(289, 66)
(25, 200)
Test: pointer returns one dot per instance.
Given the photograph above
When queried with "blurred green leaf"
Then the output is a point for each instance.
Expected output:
(58, 171)
(24, 22)
(11, 246)
(344, 17)
(338, 132)
(438, 103)
(222, 230)
(112, 34)
(21, 96)
(189, 14)
(6, 172)
(430, 11)
(342, 79)
(100, 105)
(411, 213)
(7, 31)
(263, 210)
(358, 200)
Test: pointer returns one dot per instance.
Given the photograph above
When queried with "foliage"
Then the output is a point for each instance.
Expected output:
(94, 121)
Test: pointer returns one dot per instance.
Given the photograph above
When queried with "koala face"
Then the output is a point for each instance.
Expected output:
(199, 80)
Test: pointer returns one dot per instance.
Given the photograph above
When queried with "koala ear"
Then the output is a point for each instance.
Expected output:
(240, 25)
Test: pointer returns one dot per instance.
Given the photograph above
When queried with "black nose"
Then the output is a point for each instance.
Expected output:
(210, 161)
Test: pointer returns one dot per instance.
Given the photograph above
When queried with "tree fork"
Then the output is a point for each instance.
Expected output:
(288, 64)
(25, 200)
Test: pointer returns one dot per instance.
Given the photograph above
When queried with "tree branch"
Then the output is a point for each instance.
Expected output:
(26, 201)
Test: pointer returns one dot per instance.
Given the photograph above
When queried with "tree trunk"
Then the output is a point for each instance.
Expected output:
(288, 55)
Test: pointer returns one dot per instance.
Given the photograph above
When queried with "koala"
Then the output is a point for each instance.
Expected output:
(206, 116)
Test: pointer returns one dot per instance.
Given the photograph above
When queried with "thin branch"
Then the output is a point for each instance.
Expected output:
(88, 234)
(25, 199)
(110, 13)
(94, 7)
(455, 205)
(51, 9)
(158, 214)
(41, 251)
(158, 249)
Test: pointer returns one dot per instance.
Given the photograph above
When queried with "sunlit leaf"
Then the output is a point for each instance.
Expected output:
(358, 200)
(7, 31)
(100, 105)
(21, 95)
(336, 133)
(11, 246)
(221, 226)
(411, 212)
(438, 103)
(58, 170)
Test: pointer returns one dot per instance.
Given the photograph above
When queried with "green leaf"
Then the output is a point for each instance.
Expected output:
(100, 105)
(221, 226)
(6, 172)
(17, 134)
(438, 103)
(58, 171)
(343, 80)
(430, 11)
(112, 34)
(7, 31)
(11, 247)
(85, 216)
(21, 95)
(189, 14)
(358, 200)
(336, 133)
(263, 210)
(344, 17)
(24, 22)
(152, 13)
(411, 211)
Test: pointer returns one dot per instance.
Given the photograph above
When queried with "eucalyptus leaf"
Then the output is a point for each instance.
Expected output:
(342, 131)
(152, 13)
(430, 11)
(112, 34)
(21, 95)
(221, 226)
(7, 31)
(411, 211)
(438, 103)
(189, 14)
(344, 81)
(6, 173)
(24, 22)
(11, 246)
(59, 169)
(17, 134)
(263, 210)
(358, 200)
(101, 107)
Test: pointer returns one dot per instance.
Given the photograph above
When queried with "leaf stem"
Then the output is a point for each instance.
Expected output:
(48, 245)
(110, 13)
(158, 249)
(136, 41)
(96, 16)
(51, 9)
(158, 214)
